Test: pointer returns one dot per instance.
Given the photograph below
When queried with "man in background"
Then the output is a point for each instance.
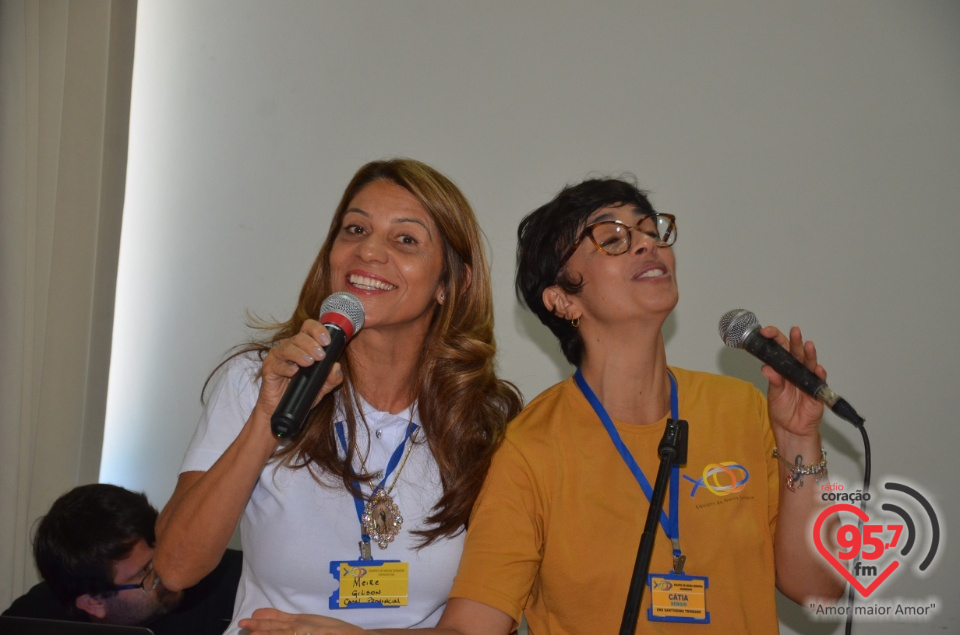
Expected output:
(94, 551)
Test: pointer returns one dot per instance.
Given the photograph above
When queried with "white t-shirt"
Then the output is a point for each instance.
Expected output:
(293, 527)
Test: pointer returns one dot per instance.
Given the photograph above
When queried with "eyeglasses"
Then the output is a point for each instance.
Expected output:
(614, 237)
(143, 583)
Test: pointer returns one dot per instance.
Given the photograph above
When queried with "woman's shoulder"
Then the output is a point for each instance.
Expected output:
(711, 395)
(546, 410)
(700, 380)
(238, 374)
(243, 366)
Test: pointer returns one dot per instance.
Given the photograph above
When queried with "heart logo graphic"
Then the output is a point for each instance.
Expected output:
(832, 559)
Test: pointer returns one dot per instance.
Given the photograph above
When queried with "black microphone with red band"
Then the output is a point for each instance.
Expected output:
(342, 315)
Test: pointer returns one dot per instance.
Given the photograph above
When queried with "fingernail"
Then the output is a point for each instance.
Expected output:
(325, 339)
(320, 353)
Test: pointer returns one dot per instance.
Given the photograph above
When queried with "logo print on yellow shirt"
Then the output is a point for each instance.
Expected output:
(721, 479)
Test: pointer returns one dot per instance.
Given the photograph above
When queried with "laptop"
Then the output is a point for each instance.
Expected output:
(30, 626)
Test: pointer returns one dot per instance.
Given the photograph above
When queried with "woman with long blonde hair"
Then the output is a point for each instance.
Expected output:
(392, 455)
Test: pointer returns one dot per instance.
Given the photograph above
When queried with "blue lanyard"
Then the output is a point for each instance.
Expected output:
(391, 466)
(671, 523)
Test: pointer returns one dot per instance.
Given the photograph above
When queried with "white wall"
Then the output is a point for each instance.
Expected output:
(811, 151)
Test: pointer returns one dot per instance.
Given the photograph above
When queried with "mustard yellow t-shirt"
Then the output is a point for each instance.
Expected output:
(555, 531)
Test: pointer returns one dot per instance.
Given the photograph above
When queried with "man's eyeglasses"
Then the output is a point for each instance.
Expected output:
(614, 237)
(143, 583)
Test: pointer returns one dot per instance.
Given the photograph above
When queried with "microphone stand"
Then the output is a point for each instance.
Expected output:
(672, 450)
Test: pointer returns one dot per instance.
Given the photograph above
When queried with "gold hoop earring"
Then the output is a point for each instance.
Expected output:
(575, 322)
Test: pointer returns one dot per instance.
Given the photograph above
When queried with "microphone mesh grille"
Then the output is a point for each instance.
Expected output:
(347, 305)
(735, 324)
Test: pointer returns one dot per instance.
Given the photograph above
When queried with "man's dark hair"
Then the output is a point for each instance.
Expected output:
(85, 532)
(545, 235)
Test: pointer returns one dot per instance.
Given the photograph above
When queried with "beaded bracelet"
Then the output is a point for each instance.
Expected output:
(798, 470)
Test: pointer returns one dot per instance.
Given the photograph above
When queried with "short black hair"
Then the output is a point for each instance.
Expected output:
(545, 235)
(85, 532)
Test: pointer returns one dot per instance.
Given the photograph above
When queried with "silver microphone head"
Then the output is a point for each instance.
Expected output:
(346, 305)
(735, 325)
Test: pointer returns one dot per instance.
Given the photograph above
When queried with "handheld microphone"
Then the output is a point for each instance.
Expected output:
(342, 315)
(740, 328)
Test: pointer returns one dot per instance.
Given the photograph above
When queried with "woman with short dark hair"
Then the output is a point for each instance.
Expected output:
(556, 529)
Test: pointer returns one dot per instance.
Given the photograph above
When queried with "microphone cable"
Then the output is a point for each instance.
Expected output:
(863, 504)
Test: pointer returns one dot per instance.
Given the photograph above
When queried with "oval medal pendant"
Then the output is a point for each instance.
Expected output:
(381, 518)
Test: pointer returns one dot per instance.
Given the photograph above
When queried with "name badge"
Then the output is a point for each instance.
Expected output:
(678, 598)
(370, 584)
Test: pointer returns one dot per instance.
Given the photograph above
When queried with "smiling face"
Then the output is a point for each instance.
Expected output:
(389, 253)
(638, 284)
